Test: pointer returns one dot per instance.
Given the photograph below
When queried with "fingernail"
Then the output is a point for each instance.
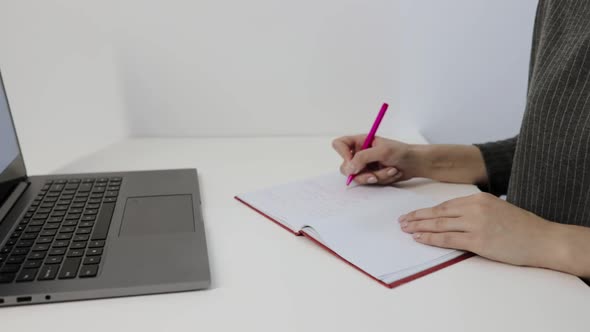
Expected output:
(372, 179)
(392, 172)
(404, 224)
(401, 218)
(417, 235)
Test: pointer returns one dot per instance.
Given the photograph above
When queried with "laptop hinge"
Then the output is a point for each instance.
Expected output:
(12, 199)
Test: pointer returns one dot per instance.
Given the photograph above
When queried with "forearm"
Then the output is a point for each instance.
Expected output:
(567, 249)
(449, 163)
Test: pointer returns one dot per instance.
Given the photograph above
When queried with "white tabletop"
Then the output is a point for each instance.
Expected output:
(266, 279)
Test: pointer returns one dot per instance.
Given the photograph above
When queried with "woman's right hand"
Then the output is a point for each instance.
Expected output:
(385, 162)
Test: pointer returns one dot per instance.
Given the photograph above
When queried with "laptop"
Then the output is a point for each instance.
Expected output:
(99, 235)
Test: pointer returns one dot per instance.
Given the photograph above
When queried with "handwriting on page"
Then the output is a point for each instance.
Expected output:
(317, 198)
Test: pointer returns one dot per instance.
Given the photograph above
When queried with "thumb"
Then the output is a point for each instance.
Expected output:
(362, 158)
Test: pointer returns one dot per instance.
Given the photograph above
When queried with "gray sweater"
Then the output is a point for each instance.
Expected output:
(546, 168)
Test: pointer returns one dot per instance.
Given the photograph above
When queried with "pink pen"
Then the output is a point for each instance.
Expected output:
(371, 136)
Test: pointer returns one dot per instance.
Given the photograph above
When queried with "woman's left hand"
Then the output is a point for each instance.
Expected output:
(485, 225)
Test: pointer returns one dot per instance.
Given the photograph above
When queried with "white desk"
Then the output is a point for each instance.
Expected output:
(265, 279)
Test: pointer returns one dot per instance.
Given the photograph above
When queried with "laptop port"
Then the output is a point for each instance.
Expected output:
(23, 299)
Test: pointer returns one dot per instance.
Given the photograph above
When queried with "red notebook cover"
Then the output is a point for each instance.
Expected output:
(391, 285)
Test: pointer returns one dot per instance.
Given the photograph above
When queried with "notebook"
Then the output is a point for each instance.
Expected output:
(357, 224)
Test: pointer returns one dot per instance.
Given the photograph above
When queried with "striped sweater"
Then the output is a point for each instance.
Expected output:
(545, 169)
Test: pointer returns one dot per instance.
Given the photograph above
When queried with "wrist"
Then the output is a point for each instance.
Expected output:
(556, 252)
(417, 159)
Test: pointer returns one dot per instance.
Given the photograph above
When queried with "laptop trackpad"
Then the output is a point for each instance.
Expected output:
(152, 215)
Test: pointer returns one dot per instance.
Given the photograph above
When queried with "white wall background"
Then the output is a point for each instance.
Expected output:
(100, 70)
(465, 66)
(61, 83)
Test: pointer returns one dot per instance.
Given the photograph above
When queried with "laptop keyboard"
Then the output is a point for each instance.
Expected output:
(62, 235)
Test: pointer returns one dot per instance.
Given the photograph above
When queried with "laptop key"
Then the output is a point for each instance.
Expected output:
(15, 259)
(103, 222)
(91, 260)
(37, 223)
(94, 252)
(53, 260)
(48, 272)
(56, 187)
(29, 236)
(63, 236)
(37, 255)
(75, 253)
(40, 216)
(10, 269)
(71, 186)
(51, 226)
(86, 224)
(33, 229)
(80, 238)
(96, 244)
(24, 244)
(83, 231)
(88, 218)
(50, 232)
(78, 245)
(67, 229)
(32, 264)
(57, 252)
(70, 223)
(7, 277)
(70, 268)
(20, 251)
(88, 271)
(27, 275)
(41, 247)
(58, 214)
(73, 216)
(61, 244)
(45, 239)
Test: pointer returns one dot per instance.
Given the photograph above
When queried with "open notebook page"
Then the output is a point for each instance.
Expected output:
(303, 203)
(358, 222)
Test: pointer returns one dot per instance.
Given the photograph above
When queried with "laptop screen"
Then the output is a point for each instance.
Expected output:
(11, 164)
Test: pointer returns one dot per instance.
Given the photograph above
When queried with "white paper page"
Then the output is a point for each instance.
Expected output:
(372, 239)
(302, 203)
